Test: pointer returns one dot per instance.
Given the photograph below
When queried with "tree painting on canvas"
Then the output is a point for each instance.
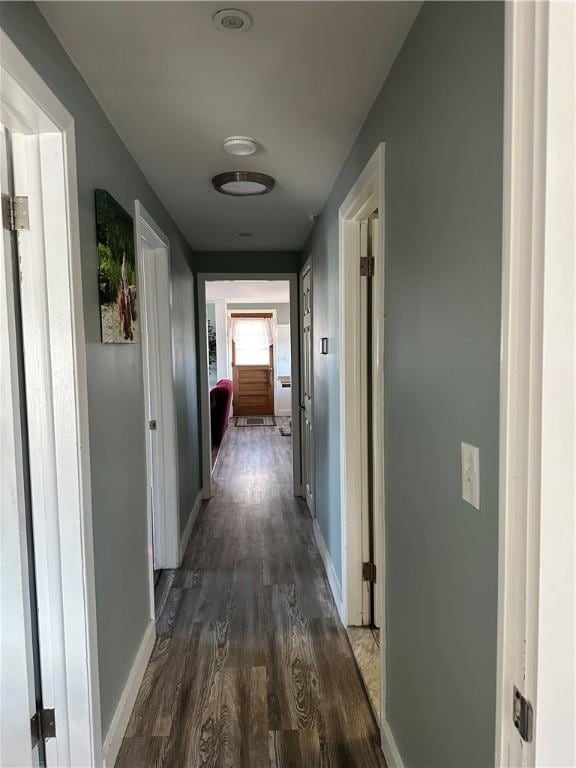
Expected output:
(116, 271)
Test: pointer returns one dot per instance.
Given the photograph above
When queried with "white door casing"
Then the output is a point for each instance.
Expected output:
(537, 549)
(365, 197)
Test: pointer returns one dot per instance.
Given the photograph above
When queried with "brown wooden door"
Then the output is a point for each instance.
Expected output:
(253, 384)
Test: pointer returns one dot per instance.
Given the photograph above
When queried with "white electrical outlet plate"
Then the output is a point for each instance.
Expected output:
(471, 474)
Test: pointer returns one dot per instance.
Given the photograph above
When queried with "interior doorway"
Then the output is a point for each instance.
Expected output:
(362, 425)
(249, 362)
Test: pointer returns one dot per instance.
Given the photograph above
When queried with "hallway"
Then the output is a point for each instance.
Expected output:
(251, 665)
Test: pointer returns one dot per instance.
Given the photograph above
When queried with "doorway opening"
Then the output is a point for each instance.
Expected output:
(249, 362)
(362, 425)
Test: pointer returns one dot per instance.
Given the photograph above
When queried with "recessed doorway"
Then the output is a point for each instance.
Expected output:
(249, 364)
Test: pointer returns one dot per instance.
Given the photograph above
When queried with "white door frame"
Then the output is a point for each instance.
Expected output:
(305, 269)
(366, 195)
(206, 441)
(164, 528)
(537, 545)
(59, 420)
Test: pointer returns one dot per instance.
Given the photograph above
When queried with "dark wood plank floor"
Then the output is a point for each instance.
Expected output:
(251, 667)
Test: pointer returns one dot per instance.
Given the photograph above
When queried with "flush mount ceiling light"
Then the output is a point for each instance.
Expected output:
(243, 183)
(232, 20)
(240, 145)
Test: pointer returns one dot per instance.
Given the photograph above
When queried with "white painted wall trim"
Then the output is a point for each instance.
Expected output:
(117, 729)
(66, 560)
(186, 533)
(330, 569)
(537, 545)
(389, 747)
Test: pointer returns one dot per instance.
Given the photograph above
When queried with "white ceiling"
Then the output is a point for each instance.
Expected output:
(300, 82)
(249, 291)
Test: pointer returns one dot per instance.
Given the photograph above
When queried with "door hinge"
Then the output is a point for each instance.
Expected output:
(153, 424)
(15, 215)
(369, 572)
(43, 726)
(366, 266)
(522, 715)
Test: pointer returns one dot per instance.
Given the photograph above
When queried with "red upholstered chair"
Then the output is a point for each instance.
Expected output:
(220, 403)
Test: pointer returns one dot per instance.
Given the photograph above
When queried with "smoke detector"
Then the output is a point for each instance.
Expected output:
(240, 146)
(232, 20)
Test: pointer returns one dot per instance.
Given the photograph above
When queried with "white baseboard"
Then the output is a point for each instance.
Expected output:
(185, 538)
(389, 747)
(113, 740)
(284, 412)
(330, 570)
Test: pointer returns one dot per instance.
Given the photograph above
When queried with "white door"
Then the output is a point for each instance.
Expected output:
(161, 422)
(371, 493)
(19, 683)
(307, 390)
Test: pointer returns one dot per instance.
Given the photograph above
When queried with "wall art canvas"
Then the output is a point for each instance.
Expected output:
(116, 271)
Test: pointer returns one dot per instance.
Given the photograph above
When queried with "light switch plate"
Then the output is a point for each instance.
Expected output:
(471, 474)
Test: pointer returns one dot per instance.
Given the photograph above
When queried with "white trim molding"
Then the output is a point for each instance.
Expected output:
(117, 729)
(366, 195)
(192, 517)
(389, 746)
(537, 550)
(333, 580)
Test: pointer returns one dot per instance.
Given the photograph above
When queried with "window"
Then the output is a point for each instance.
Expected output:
(252, 338)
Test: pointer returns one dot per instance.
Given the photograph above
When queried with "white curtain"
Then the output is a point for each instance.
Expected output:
(252, 337)
(261, 327)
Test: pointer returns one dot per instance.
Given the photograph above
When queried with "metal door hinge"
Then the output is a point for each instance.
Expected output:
(522, 715)
(152, 424)
(366, 266)
(43, 726)
(15, 215)
(369, 572)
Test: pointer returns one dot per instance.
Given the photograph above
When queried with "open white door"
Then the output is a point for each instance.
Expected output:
(18, 679)
(162, 457)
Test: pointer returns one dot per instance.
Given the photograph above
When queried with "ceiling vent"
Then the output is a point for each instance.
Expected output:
(232, 20)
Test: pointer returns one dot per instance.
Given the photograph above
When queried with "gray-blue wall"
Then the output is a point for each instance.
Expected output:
(440, 114)
(115, 389)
